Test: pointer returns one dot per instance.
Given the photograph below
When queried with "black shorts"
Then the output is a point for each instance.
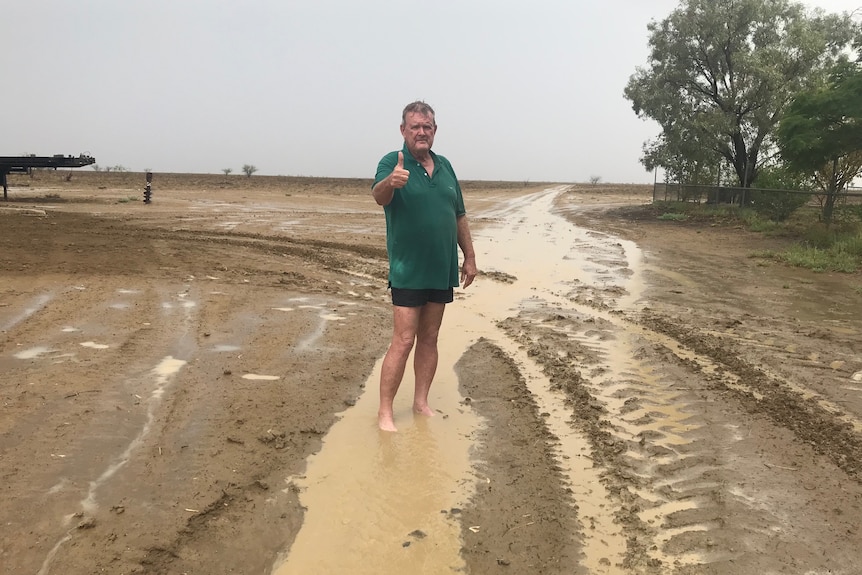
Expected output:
(419, 297)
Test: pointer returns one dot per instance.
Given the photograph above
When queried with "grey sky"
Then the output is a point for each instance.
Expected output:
(522, 90)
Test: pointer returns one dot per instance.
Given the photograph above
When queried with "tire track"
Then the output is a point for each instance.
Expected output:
(647, 392)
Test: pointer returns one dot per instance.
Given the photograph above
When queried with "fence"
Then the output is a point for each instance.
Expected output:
(712, 194)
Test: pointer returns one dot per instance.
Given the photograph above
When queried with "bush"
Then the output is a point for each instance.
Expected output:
(824, 237)
(850, 245)
(776, 205)
(848, 213)
(836, 248)
(756, 222)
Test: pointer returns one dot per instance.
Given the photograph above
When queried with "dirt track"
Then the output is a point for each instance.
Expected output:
(631, 396)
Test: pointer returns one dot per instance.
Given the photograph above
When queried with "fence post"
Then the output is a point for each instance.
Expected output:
(148, 193)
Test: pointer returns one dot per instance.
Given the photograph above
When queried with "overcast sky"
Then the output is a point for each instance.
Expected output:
(523, 90)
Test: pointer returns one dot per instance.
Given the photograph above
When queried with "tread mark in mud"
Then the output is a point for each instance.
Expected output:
(661, 456)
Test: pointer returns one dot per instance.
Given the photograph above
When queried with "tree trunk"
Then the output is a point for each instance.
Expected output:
(831, 194)
(744, 160)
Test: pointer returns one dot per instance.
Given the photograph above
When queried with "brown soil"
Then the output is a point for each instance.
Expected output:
(143, 429)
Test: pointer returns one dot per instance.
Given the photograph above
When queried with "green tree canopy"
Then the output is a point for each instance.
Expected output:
(720, 75)
(821, 133)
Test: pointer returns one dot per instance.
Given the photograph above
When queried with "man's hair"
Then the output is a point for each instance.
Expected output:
(418, 107)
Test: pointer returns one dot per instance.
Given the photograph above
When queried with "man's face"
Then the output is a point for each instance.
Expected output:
(418, 131)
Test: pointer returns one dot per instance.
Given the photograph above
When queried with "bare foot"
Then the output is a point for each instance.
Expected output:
(385, 422)
(423, 410)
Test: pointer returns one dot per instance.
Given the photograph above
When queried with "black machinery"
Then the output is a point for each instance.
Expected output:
(23, 165)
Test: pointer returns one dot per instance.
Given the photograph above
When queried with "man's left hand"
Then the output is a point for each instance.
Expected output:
(468, 272)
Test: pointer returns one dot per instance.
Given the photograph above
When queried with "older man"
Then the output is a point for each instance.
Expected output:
(425, 224)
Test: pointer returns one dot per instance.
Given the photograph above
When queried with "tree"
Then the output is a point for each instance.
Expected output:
(227, 171)
(779, 176)
(682, 157)
(248, 170)
(821, 134)
(721, 73)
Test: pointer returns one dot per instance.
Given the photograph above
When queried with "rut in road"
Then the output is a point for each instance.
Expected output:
(669, 423)
(645, 431)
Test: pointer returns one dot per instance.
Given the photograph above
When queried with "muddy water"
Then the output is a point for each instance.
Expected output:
(377, 501)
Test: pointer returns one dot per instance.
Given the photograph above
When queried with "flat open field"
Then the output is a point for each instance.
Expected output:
(189, 386)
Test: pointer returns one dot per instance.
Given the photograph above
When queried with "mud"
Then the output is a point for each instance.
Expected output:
(189, 387)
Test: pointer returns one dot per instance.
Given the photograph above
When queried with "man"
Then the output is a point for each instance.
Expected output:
(425, 224)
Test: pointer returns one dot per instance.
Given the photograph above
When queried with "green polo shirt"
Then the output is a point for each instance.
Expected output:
(421, 224)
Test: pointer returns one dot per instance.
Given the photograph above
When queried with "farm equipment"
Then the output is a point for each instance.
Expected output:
(23, 165)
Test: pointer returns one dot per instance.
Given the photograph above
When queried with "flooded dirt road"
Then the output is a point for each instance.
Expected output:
(398, 481)
(190, 387)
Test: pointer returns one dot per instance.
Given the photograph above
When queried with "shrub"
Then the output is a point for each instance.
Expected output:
(756, 222)
(848, 213)
(820, 260)
(777, 205)
(849, 245)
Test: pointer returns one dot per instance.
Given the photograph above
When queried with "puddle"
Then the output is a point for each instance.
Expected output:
(94, 345)
(33, 307)
(225, 348)
(332, 317)
(33, 352)
(309, 342)
(366, 491)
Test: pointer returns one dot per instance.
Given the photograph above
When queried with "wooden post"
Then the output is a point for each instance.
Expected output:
(148, 193)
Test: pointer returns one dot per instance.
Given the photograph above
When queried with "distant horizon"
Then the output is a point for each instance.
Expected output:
(239, 174)
(522, 91)
(258, 174)
(857, 184)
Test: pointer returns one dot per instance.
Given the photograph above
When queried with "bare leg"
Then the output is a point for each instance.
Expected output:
(405, 323)
(425, 358)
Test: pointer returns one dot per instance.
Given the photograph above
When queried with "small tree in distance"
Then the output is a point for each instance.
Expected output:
(595, 180)
(226, 171)
(248, 170)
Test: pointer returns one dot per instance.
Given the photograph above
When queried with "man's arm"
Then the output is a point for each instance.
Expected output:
(465, 241)
(384, 190)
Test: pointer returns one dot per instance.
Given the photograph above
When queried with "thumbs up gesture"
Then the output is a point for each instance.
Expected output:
(398, 177)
